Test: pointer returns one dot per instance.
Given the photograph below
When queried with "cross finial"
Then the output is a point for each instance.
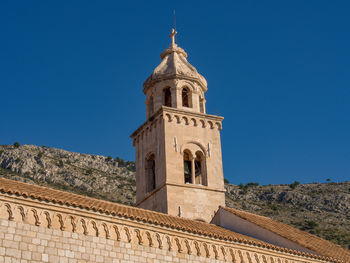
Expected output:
(172, 35)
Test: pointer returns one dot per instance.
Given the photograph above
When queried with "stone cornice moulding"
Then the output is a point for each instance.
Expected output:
(162, 113)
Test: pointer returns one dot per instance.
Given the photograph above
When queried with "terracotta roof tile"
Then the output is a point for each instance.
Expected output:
(210, 230)
(302, 238)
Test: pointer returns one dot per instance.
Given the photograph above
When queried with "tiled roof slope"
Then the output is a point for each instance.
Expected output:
(146, 216)
(302, 238)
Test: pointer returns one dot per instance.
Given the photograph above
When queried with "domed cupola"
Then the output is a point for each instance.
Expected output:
(174, 65)
(175, 82)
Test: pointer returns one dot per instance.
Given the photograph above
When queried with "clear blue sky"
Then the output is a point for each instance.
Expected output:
(71, 75)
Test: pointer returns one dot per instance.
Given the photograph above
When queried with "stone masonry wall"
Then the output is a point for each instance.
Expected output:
(38, 231)
(24, 243)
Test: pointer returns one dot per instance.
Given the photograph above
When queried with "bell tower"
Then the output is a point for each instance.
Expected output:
(178, 148)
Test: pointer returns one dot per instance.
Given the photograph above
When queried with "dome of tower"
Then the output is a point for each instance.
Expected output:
(174, 64)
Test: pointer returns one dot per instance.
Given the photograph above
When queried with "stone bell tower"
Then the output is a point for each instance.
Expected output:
(178, 148)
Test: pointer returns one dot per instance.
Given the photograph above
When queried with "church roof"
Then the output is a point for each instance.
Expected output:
(302, 238)
(49, 195)
(174, 64)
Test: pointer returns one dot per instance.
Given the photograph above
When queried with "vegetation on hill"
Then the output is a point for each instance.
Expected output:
(320, 209)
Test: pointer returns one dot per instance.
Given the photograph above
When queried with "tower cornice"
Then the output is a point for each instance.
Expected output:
(208, 120)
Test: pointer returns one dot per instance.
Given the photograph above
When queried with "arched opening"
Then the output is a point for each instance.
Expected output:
(167, 97)
(150, 173)
(186, 97)
(150, 106)
(187, 167)
(201, 105)
(200, 169)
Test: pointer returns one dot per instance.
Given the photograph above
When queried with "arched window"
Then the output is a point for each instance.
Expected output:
(187, 167)
(186, 99)
(200, 169)
(167, 97)
(150, 106)
(150, 172)
(201, 105)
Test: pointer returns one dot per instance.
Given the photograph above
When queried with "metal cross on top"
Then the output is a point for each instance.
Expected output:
(172, 35)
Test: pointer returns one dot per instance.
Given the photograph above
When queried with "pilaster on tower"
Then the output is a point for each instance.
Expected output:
(178, 148)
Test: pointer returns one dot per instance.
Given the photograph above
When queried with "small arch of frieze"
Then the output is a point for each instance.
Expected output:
(194, 122)
(93, 228)
(106, 229)
(168, 241)
(187, 245)
(177, 119)
(159, 240)
(216, 253)
(48, 219)
(210, 124)
(127, 234)
(223, 252)
(138, 236)
(72, 223)
(240, 256)
(185, 120)
(149, 238)
(178, 245)
(83, 225)
(23, 212)
(168, 117)
(218, 126)
(257, 258)
(9, 211)
(248, 257)
(264, 259)
(197, 247)
(59, 220)
(116, 232)
(36, 215)
(233, 255)
(206, 250)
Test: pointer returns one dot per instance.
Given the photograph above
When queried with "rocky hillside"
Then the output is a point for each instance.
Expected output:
(92, 175)
(321, 209)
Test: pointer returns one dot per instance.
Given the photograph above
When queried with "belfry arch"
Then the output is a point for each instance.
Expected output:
(150, 172)
(167, 97)
(186, 96)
